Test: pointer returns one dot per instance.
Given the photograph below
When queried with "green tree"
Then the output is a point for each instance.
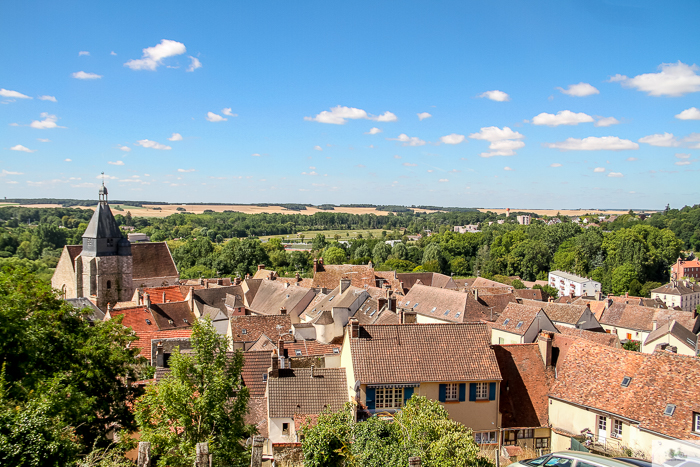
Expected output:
(548, 289)
(362, 251)
(319, 242)
(333, 255)
(202, 399)
(380, 252)
(517, 284)
(400, 251)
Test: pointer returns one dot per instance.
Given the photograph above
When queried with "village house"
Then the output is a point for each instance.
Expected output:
(450, 363)
(435, 305)
(568, 315)
(672, 334)
(432, 279)
(686, 269)
(683, 294)
(632, 322)
(275, 297)
(520, 324)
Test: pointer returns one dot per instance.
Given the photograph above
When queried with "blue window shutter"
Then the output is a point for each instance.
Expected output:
(443, 393)
(472, 391)
(407, 393)
(370, 398)
(462, 392)
(492, 391)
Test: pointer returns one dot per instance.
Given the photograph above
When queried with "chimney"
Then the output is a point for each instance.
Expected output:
(627, 295)
(147, 301)
(476, 294)
(354, 328)
(220, 281)
(599, 296)
(344, 284)
(280, 348)
(247, 276)
(286, 285)
(402, 288)
(201, 281)
(283, 311)
(274, 365)
(163, 297)
(392, 303)
(312, 370)
(409, 317)
(237, 281)
(401, 316)
(544, 341)
(139, 296)
(261, 267)
(315, 265)
(207, 284)
(109, 308)
(298, 277)
(551, 299)
(160, 355)
(653, 325)
(381, 302)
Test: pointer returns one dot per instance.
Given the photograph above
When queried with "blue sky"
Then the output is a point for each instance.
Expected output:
(589, 104)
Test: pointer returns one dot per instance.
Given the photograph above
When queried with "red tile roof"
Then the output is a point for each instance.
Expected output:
(328, 276)
(417, 353)
(443, 304)
(297, 391)
(249, 328)
(255, 365)
(525, 385)
(173, 293)
(517, 318)
(591, 376)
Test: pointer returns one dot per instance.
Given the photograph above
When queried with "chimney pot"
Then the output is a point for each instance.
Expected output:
(160, 355)
(544, 342)
(163, 297)
(354, 328)
(283, 311)
(261, 266)
(147, 301)
(312, 370)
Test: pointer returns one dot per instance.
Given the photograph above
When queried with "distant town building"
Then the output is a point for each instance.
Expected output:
(470, 228)
(686, 269)
(138, 237)
(568, 284)
(524, 219)
(683, 294)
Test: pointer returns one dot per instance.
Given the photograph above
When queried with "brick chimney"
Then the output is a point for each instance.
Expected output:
(354, 328)
(261, 266)
(274, 365)
(283, 310)
(544, 341)
(220, 281)
(280, 348)
(315, 265)
(237, 281)
(297, 276)
(344, 284)
(163, 297)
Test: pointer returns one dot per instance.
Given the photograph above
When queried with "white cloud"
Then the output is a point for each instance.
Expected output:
(606, 121)
(689, 114)
(667, 140)
(153, 56)
(125, 148)
(194, 64)
(396, 156)
(67, 160)
(683, 163)
(423, 115)
(579, 90)
(83, 52)
(443, 180)
(683, 156)
(47, 98)
(673, 79)
(599, 169)
(632, 159)
(152, 144)
(84, 75)
(7, 172)
(452, 139)
(113, 53)
(493, 133)
(507, 169)
(212, 117)
(408, 140)
(592, 143)
(43, 140)
(116, 162)
(339, 115)
(175, 137)
(12, 94)
(409, 164)
(19, 147)
(503, 141)
(563, 117)
(227, 111)
(615, 175)
(373, 131)
(318, 148)
(106, 177)
(185, 170)
(49, 121)
(556, 164)
(498, 96)
(256, 155)
(693, 138)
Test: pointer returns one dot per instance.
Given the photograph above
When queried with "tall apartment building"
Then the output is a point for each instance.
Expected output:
(567, 284)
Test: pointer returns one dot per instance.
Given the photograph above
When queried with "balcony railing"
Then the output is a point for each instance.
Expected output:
(607, 445)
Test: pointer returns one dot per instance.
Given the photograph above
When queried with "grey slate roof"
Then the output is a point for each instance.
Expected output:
(102, 224)
(295, 391)
(82, 302)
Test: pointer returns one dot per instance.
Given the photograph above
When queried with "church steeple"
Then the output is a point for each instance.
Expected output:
(102, 236)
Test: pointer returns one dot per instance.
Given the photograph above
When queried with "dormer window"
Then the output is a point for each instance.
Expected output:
(244, 331)
(626, 381)
(696, 422)
(148, 321)
(670, 409)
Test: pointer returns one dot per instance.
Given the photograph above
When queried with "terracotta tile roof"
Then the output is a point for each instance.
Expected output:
(560, 312)
(251, 289)
(525, 385)
(172, 315)
(491, 290)
(390, 277)
(249, 328)
(73, 252)
(296, 391)
(255, 365)
(173, 293)
(433, 279)
(304, 419)
(273, 295)
(591, 375)
(313, 304)
(480, 282)
(299, 348)
(152, 260)
(264, 274)
(216, 296)
(443, 304)
(368, 312)
(602, 338)
(626, 300)
(257, 415)
(350, 296)
(496, 303)
(528, 294)
(678, 288)
(517, 318)
(328, 276)
(464, 283)
(387, 317)
(598, 307)
(416, 353)
(642, 318)
(675, 329)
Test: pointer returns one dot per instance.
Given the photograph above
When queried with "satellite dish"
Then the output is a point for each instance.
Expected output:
(357, 385)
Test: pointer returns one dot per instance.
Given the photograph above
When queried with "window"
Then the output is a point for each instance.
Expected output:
(388, 398)
(408, 303)
(285, 428)
(696, 422)
(617, 429)
(485, 437)
(331, 299)
(433, 310)
(626, 381)
(264, 377)
(520, 323)
(336, 350)
(506, 321)
(539, 460)
(670, 408)
(526, 434)
(541, 443)
(297, 352)
(148, 321)
(447, 312)
(602, 423)
(109, 284)
(244, 331)
(482, 391)
(500, 341)
(457, 315)
(452, 392)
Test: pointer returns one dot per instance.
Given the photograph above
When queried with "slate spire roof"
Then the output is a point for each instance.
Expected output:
(102, 224)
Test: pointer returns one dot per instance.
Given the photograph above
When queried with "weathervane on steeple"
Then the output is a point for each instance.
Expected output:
(103, 191)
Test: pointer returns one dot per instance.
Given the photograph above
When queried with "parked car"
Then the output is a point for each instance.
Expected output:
(637, 462)
(570, 459)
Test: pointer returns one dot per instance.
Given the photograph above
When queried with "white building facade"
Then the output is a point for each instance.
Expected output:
(567, 284)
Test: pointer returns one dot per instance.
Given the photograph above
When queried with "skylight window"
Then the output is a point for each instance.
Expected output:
(506, 321)
(185, 320)
(457, 315)
(372, 314)
(148, 321)
(244, 331)
(626, 381)
(331, 299)
(408, 303)
(264, 377)
(670, 408)
(447, 312)
(415, 304)
(433, 310)
(297, 352)
(519, 325)
(336, 350)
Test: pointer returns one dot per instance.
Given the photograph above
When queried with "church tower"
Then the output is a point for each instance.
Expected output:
(104, 268)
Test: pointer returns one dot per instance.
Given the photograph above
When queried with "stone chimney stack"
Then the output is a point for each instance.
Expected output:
(280, 348)
(274, 365)
(653, 325)
(344, 284)
(283, 311)
(147, 301)
(163, 298)
(354, 328)
(544, 341)
(160, 355)
(261, 267)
